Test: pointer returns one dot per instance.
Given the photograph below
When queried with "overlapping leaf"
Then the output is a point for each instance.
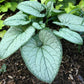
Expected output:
(13, 40)
(70, 19)
(49, 8)
(33, 7)
(69, 35)
(73, 22)
(16, 20)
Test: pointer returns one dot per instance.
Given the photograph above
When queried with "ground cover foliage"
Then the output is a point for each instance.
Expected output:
(39, 41)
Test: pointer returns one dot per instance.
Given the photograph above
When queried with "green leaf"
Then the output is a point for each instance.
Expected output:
(46, 1)
(17, 19)
(77, 27)
(32, 7)
(13, 40)
(1, 16)
(67, 1)
(1, 21)
(2, 33)
(70, 7)
(60, 0)
(62, 4)
(2, 1)
(33, 0)
(3, 68)
(42, 55)
(5, 7)
(69, 35)
(13, 6)
(81, 4)
(1, 24)
(43, 1)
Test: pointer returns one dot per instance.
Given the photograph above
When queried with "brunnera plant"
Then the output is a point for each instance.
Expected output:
(39, 44)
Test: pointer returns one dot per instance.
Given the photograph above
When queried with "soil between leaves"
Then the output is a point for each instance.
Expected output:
(71, 69)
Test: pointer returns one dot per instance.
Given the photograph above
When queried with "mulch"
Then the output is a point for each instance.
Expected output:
(71, 69)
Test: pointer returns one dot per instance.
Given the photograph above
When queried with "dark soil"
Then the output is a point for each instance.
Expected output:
(71, 70)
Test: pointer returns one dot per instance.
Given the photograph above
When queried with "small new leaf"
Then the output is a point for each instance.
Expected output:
(55, 12)
(36, 25)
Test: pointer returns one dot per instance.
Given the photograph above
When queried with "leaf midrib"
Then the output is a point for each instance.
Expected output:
(45, 62)
(10, 45)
